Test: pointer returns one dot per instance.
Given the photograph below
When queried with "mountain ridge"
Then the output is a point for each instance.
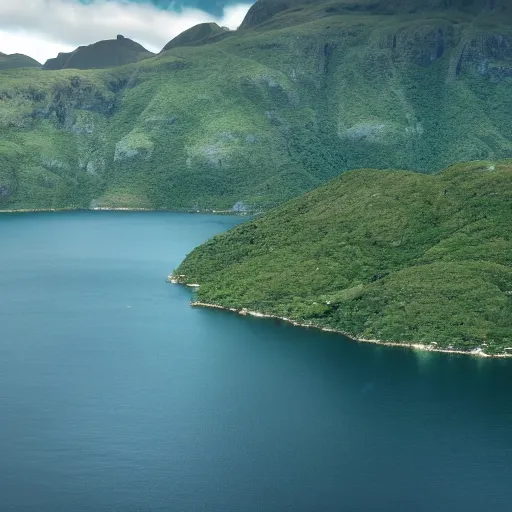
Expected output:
(264, 11)
(196, 35)
(261, 116)
(17, 60)
(102, 54)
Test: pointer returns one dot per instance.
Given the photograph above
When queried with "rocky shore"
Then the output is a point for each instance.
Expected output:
(432, 347)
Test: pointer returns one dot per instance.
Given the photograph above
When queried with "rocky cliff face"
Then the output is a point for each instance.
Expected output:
(265, 114)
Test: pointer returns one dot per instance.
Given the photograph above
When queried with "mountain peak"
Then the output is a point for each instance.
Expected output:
(17, 60)
(197, 35)
(103, 54)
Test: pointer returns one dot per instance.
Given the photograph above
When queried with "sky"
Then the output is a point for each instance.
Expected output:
(43, 28)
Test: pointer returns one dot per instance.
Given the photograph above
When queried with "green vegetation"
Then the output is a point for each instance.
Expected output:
(17, 60)
(204, 33)
(389, 255)
(278, 13)
(103, 54)
(264, 114)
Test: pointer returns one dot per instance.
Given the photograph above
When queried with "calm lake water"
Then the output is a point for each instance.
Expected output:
(116, 396)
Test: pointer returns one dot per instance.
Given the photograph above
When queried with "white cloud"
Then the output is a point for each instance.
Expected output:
(42, 28)
(38, 48)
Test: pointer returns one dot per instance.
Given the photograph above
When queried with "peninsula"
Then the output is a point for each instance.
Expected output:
(385, 256)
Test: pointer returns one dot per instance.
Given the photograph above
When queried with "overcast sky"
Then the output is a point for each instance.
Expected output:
(43, 28)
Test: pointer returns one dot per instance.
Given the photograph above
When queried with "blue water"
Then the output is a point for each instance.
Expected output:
(116, 396)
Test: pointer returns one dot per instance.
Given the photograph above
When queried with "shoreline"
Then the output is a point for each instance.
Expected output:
(123, 209)
(410, 345)
(43, 210)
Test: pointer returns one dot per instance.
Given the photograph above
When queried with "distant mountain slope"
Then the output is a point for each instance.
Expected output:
(103, 54)
(387, 255)
(199, 34)
(263, 114)
(17, 60)
(275, 12)
(264, 10)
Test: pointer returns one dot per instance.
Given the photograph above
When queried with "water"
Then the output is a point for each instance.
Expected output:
(116, 396)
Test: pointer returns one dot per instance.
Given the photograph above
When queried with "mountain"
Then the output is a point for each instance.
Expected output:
(103, 54)
(17, 60)
(265, 10)
(265, 113)
(199, 34)
(382, 255)
(284, 12)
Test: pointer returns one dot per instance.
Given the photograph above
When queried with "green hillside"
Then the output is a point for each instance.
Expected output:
(200, 34)
(103, 54)
(17, 60)
(266, 13)
(266, 113)
(389, 255)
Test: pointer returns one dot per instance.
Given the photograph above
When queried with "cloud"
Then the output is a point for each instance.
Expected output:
(42, 28)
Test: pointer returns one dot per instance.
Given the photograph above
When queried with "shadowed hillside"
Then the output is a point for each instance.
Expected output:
(17, 60)
(266, 113)
(104, 54)
(199, 34)
(275, 12)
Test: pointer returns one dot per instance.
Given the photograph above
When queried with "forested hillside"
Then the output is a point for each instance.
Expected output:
(302, 92)
(394, 256)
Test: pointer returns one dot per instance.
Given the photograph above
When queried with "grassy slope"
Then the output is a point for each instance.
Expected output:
(17, 60)
(391, 255)
(197, 35)
(262, 115)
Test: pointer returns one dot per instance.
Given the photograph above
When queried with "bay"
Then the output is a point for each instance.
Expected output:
(116, 396)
